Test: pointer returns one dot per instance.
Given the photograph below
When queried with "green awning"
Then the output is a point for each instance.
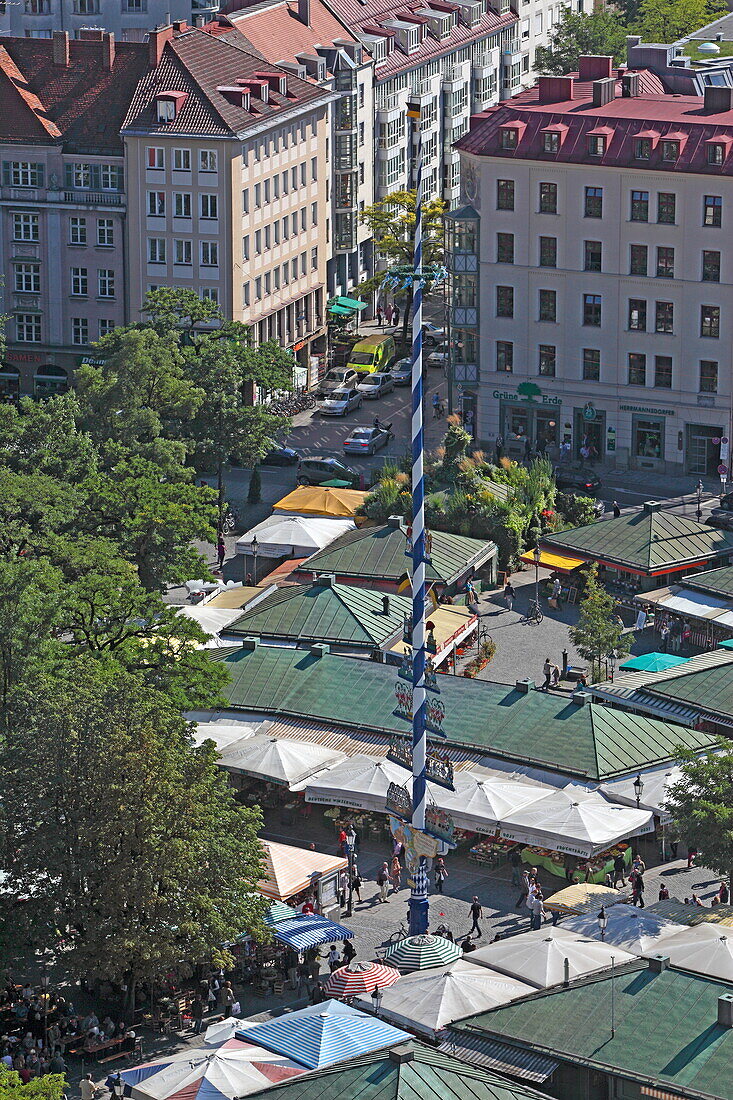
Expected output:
(351, 303)
(341, 310)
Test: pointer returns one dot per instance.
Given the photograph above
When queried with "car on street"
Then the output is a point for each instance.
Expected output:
(402, 372)
(439, 356)
(336, 379)
(366, 441)
(576, 479)
(726, 502)
(721, 518)
(280, 456)
(318, 469)
(340, 402)
(432, 334)
(376, 385)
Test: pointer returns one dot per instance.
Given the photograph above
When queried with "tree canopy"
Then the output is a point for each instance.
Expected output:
(51, 1086)
(670, 20)
(576, 34)
(701, 803)
(598, 631)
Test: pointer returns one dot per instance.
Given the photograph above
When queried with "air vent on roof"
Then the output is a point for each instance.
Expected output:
(604, 91)
(581, 698)
(320, 650)
(652, 506)
(630, 85)
(658, 963)
(725, 1010)
(525, 686)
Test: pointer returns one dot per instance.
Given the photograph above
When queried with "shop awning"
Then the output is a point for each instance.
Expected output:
(350, 303)
(561, 563)
(341, 310)
(309, 930)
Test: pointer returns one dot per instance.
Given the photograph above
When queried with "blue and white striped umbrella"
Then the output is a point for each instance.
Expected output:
(308, 930)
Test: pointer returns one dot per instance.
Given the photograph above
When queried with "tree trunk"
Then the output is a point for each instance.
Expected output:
(407, 318)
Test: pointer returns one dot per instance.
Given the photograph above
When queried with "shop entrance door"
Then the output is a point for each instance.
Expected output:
(594, 431)
(703, 456)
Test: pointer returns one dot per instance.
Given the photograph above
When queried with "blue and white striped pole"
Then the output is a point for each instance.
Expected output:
(418, 897)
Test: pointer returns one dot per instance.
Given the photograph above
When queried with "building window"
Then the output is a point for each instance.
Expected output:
(713, 211)
(28, 328)
(666, 208)
(106, 282)
(156, 204)
(547, 305)
(640, 206)
(643, 149)
(592, 309)
(181, 204)
(28, 278)
(596, 145)
(716, 153)
(505, 301)
(593, 253)
(105, 232)
(638, 259)
(182, 252)
(670, 151)
(314, 168)
(314, 259)
(79, 282)
(663, 372)
(207, 160)
(209, 254)
(37, 7)
(711, 267)
(505, 248)
(181, 160)
(591, 365)
(663, 317)
(156, 157)
(25, 227)
(637, 314)
(105, 327)
(22, 173)
(710, 321)
(648, 438)
(548, 251)
(86, 7)
(258, 288)
(505, 356)
(77, 231)
(708, 376)
(594, 202)
(637, 369)
(547, 357)
(209, 294)
(258, 242)
(551, 142)
(548, 198)
(505, 194)
(509, 138)
(665, 262)
(156, 250)
(79, 330)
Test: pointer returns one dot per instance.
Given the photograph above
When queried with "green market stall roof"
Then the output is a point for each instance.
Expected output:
(718, 582)
(711, 689)
(651, 542)
(378, 554)
(591, 740)
(666, 1027)
(324, 611)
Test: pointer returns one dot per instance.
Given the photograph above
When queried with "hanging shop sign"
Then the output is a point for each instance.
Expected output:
(439, 823)
(398, 801)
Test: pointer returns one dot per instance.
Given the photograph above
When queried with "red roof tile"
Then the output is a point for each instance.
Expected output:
(276, 32)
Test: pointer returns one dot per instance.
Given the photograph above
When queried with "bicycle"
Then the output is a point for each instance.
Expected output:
(401, 933)
(534, 613)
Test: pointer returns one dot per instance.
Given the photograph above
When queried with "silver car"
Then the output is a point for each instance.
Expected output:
(376, 385)
(341, 402)
(438, 357)
(365, 441)
(402, 372)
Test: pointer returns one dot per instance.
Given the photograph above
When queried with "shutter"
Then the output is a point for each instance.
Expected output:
(69, 176)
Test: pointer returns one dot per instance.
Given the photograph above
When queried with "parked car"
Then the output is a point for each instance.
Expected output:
(376, 385)
(577, 479)
(432, 334)
(316, 470)
(280, 456)
(335, 379)
(374, 353)
(439, 356)
(340, 402)
(721, 518)
(402, 372)
(365, 441)
(726, 502)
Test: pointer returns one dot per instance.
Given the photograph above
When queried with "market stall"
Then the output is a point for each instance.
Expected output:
(705, 948)
(278, 760)
(295, 874)
(285, 536)
(636, 930)
(317, 500)
(543, 958)
(584, 897)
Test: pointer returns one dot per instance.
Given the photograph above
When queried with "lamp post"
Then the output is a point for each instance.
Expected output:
(638, 790)
(699, 490)
(255, 545)
(537, 556)
(603, 922)
(376, 999)
(611, 664)
(44, 987)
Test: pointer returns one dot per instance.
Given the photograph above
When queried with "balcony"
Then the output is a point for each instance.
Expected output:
(344, 153)
(93, 198)
(345, 191)
(344, 115)
(344, 233)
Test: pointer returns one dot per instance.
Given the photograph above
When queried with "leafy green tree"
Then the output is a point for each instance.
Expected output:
(254, 492)
(576, 511)
(33, 509)
(598, 631)
(670, 20)
(128, 840)
(44, 437)
(701, 803)
(51, 1086)
(29, 619)
(600, 31)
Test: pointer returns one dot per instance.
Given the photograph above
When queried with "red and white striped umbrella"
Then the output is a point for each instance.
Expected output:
(360, 978)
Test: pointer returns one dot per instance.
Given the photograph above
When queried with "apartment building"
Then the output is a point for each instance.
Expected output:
(128, 20)
(309, 40)
(593, 291)
(62, 202)
(226, 159)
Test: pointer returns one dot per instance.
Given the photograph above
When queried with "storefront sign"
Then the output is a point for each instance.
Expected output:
(647, 410)
(589, 413)
(398, 801)
(439, 823)
(88, 361)
(528, 392)
(611, 439)
(23, 356)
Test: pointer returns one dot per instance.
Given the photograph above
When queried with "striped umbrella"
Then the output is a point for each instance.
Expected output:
(422, 952)
(279, 911)
(359, 979)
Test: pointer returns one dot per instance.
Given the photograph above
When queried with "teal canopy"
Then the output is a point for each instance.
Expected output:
(727, 644)
(341, 310)
(350, 303)
(653, 662)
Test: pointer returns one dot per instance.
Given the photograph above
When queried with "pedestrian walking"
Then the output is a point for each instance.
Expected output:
(197, 1014)
(472, 596)
(396, 316)
(637, 887)
(343, 843)
(616, 510)
(349, 952)
(227, 999)
(333, 958)
(440, 873)
(476, 913)
(396, 874)
(557, 593)
(383, 881)
(547, 670)
(388, 313)
(515, 861)
(436, 406)
(537, 910)
(509, 595)
(379, 316)
(524, 886)
(691, 854)
(221, 551)
(343, 888)
(619, 870)
(356, 883)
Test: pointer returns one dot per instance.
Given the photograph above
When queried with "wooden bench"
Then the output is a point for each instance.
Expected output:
(111, 1057)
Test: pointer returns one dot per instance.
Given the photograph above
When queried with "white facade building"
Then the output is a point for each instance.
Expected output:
(128, 20)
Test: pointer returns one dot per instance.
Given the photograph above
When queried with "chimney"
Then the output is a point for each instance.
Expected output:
(650, 506)
(60, 49)
(179, 26)
(320, 650)
(401, 1054)
(566, 972)
(395, 521)
(524, 686)
(604, 91)
(717, 99)
(725, 1010)
(580, 698)
(156, 44)
(555, 89)
(595, 67)
(326, 580)
(304, 12)
(385, 605)
(658, 963)
(108, 51)
(629, 85)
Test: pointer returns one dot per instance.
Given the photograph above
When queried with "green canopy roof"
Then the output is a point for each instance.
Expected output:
(350, 303)
(535, 728)
(710, 689)
(325, 612)
(666, 1027)
(378, 553)
(651, 541)
(342, 310)
(719, 582)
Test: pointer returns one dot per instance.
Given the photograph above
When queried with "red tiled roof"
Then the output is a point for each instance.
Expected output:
(80, 106)
(623, 119)
(276, 32)
(199, 64)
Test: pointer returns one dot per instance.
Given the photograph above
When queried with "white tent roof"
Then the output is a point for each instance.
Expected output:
(226, 733)
(656, 784)
(576, 821)
(478, 800)
(428, 1001)
(359, 781)
(539, 957)
(704, 948)
(293, 536)
(213, 620)
(278, 759)
(634, 930)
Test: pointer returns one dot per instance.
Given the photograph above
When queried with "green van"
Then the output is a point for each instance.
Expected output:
(376, 353)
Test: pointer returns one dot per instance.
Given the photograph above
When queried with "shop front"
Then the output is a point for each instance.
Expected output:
(648, 436)
(529, 420)
(702, 449)
(589, 433)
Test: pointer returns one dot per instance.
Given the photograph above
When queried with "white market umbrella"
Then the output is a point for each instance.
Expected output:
(704, 948)
(654, 793)
(222, 1030)
(224, 734)
(278, 759)
(540, 957)
(360, 782)
(636, 930)
(478, 802)
(429, 1000)
(293, 536)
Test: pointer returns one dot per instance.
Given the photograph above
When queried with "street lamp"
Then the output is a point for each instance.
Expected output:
(376, 999)
(44, 987)
(537, 556)
(699, 491)
(255, 545)
(638, 790)
(603, 922)
(118, 1087)
(611, 663)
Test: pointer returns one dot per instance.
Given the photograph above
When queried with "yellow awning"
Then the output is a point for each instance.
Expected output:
(559, 562)
(451, 622)
(578, 897)
(314, 500)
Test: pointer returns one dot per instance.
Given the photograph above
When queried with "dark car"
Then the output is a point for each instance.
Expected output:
(722, 518)
(726, 502)
(316, 470)
(577, 479)
(280, 456)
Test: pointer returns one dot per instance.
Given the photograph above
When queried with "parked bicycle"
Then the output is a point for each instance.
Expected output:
(534, 613)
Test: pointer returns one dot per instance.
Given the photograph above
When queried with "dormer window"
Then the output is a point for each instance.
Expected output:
(509, 138)
(597, 145)
(643, 149)
(167, 106)
(413, 39)
(716, 153)
(670, 151)
(551, 141)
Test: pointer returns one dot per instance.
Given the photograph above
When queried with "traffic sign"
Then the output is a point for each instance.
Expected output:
(722, 469)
